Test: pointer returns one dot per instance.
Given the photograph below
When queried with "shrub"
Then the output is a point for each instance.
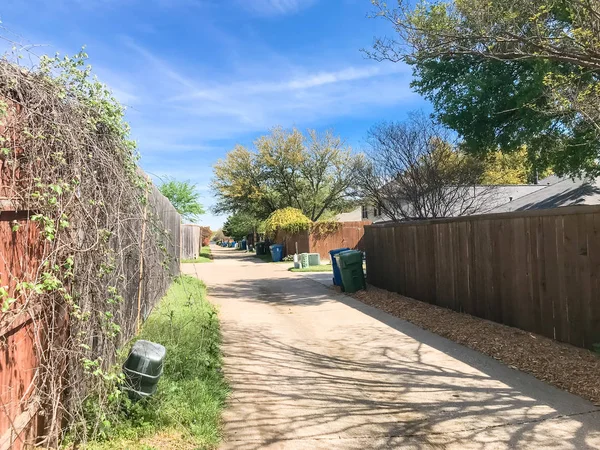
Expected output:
(291, 220)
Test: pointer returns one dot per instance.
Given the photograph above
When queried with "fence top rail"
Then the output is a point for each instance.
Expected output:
(560, 211)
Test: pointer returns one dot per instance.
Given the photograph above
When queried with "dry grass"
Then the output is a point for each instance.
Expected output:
(573, 369)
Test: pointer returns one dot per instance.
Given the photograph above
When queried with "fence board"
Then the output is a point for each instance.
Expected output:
(593, 322)
(539, 271)
(349, 234)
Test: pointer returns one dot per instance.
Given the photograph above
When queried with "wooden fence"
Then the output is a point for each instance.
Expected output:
(21, 334)
(191, 239)
(538, 270)
(348, 234)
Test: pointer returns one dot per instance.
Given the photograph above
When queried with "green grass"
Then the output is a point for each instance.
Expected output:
(204, 257)
(186, 410)
(321, 268)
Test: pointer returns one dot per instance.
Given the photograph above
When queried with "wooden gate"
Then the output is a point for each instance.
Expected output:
(20, 254)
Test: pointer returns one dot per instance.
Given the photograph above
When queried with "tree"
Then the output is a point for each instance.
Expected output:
(526, 72)
(218, 235)
(413, 171)
(511, 168)
(184, 197)
(239, 225)
(287, 219)
(314, 173)
(493, 105)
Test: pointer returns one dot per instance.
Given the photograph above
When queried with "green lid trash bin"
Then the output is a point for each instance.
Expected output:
(351, 270)
(143, 368)
(304, 261)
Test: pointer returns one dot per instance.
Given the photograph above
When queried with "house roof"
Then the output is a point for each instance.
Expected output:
(557, 192)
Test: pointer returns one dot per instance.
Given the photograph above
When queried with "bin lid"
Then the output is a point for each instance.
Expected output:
(146, 357)
(350, 257)
(338, 250)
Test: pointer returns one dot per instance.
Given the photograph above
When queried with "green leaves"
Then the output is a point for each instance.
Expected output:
(184, 197)
(507, 74)
(288, 219)
(7, 301)
(314, 173)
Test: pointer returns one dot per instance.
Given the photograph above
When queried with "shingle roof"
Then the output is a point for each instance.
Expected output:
(559, 192)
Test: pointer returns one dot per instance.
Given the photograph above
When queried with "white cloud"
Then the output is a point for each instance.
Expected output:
(184, 106)
(276, 7)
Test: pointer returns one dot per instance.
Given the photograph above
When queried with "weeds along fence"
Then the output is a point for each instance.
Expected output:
(538, 270)
(88, 246)
(323, 238)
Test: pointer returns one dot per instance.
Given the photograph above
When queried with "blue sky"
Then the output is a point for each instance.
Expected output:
(199, 76)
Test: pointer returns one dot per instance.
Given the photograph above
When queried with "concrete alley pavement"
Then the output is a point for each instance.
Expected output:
(313, 369)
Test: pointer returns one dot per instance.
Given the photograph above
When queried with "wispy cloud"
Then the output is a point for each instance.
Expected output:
(276, 7)
(209, 108)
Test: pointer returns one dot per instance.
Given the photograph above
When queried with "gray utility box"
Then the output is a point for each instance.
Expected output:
(143, 368)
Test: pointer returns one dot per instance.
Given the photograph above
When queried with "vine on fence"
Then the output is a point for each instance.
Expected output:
(289, 219)
(67, 159)
(325, 228)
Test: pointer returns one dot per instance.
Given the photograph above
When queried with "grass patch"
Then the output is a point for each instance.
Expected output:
(185, 412)
(321, 268)
(204, 257)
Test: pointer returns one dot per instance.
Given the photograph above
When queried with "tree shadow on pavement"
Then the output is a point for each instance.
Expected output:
(367, 386)
(379, 402)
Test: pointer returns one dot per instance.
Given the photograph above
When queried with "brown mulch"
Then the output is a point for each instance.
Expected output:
(573, 369)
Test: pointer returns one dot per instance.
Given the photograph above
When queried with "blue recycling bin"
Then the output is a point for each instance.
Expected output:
(232, 244)
(244, 244)
(276, 252)
(337, 275)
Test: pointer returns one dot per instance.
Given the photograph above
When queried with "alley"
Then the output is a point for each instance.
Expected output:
(313, 369)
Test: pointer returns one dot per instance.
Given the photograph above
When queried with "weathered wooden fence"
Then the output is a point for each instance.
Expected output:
(348, 234)
(18, 361)
(21, 334)
(538, 271)
(191, 240)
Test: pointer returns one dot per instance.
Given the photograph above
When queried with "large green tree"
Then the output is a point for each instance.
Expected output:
(239, 225)
(314, 172)
(184, 196)
(493, 104)
(505, 74)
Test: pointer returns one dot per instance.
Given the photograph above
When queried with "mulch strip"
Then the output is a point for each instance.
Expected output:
(573, 369)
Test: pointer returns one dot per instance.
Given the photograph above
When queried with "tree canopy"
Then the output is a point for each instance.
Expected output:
(239, 225)
(314, 173)
(507, 74)
(184, 197)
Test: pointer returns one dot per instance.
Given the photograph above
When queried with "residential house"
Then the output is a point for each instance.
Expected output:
(556, 192)
(480, 199)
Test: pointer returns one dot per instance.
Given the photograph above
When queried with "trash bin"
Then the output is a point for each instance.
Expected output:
(143, 368)
(314, 259)
(261, 248)
(244, 244)
(351, 270)
(304, 261)
(337, 277)
(232, 244)
(276, 252)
